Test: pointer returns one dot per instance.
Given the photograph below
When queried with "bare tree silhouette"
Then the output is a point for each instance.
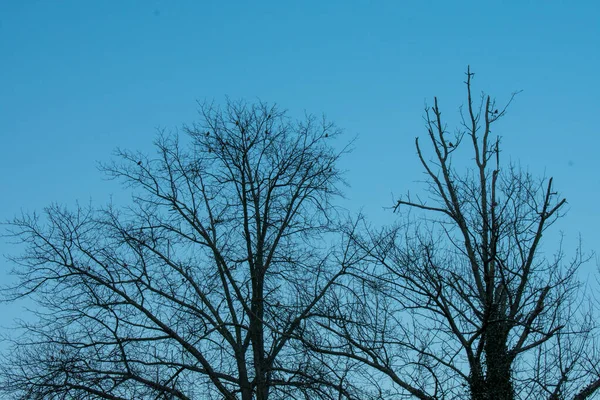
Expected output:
(202, 287)
(459, 301)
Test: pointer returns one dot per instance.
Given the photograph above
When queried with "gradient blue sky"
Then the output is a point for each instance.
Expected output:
(79, 78)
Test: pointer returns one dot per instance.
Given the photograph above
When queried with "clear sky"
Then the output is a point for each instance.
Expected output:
(79, 78)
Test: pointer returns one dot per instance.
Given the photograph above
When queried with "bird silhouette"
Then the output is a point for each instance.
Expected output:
(237, 122)
(207, 133)
(450, 144)
(139, 163)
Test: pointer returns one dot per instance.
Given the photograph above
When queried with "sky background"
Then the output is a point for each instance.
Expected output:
(80, 78)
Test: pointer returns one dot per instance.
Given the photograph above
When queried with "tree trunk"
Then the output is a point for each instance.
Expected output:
(258, 345)
(498, 362)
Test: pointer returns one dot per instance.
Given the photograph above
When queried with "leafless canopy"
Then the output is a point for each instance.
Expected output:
(460, 302)
(201, 287)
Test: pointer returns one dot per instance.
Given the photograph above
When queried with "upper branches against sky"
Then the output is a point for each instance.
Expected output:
(204, 284)
(459, 301)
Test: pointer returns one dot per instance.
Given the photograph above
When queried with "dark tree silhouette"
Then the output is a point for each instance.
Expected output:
(203, 286)
(460, 301)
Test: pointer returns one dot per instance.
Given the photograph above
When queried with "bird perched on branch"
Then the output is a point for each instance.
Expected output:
(450, 144)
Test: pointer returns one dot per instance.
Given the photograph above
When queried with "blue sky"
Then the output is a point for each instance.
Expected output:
(80, 78)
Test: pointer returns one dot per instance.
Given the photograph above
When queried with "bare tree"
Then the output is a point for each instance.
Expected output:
(201, 287)
(460, 301)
